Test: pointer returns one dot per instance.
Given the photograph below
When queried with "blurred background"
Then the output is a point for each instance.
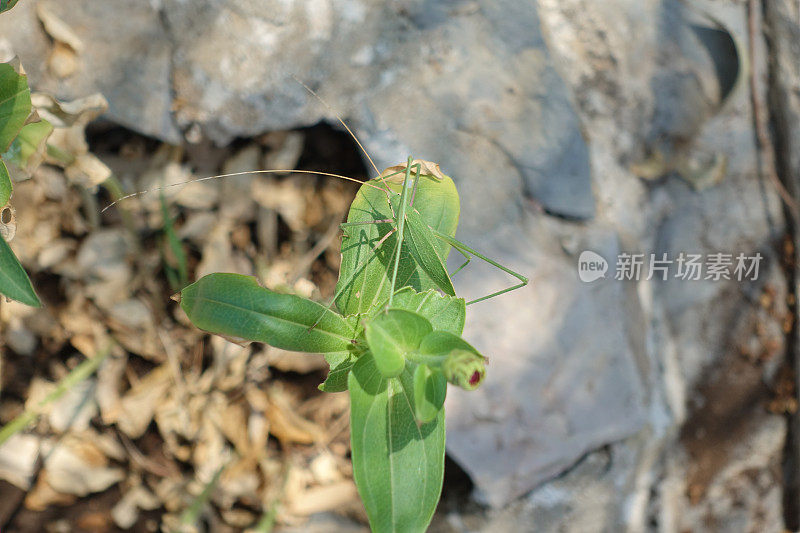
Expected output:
(641, 127)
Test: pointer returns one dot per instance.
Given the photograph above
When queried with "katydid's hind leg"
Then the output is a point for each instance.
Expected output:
(380, 242)
(336, 296)
(465, 250)
(365, 222)
(465, 263)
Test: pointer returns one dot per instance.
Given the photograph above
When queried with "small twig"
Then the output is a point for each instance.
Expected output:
(174, 363)
(78, 374)
(766, 157)
(143, 461)
(337, 427)
(267, 521)
(190, 515)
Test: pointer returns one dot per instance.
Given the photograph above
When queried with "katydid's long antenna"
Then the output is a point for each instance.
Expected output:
(353, 135)
(281, 171)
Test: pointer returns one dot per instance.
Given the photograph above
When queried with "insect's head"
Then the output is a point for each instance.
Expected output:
(395, 175)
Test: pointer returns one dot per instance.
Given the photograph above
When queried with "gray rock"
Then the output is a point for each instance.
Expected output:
(569, 391)
(517, 115)
(423, 78)
(126, 56)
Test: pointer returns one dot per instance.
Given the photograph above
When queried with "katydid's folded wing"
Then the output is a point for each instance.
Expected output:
(368, 255)
(421, 244)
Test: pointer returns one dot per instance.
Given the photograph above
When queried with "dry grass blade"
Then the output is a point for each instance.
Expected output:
(192, 513)
(81, 372)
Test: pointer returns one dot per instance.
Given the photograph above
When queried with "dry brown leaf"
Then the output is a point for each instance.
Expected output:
(87, 170)
(239, 481)
(287, 197)
(139, 404)
(75, 409)
(109, 383)
(44, 495)
(69, 120)
(56, 28)
(19, 338)
(18, 457)
(236, 203)
(324, 498)
(62, 61)
(218, 254)
(286, 147)
(57, 252)
(233, 424)
(210, 452)
(200, 195)
(197, 227)
(76, 465)
(427, 168)
(258, 434)
(73, 114)
(287, 361)
(126, 511)
(325, 468)
(286, 424)
(239, 518)
(230, 362)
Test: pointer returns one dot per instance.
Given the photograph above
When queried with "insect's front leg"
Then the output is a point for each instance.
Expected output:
(345, 225)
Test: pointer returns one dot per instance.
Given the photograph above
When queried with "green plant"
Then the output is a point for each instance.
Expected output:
(5, 5)
(22, 144)
(394, 343)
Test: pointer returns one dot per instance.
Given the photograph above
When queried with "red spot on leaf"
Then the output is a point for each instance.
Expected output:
(475, 378)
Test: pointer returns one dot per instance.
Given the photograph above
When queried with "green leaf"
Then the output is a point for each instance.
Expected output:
(28, 149)
(341, 363)
(460, 363)
(393, 334)
(5, 185)
(5, 5)
(398, 465)
(430, 388)
(442, 343)
(235, 306)
(365, 273)
(15, 103)
(14, 282)
(445, 313)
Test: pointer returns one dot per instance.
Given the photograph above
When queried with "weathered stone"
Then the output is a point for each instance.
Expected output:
(126, 57)
(508, 109)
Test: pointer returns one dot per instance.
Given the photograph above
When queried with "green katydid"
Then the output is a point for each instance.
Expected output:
(395, 344)
(416, 225)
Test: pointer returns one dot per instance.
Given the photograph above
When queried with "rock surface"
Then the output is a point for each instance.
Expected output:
(569, 125)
